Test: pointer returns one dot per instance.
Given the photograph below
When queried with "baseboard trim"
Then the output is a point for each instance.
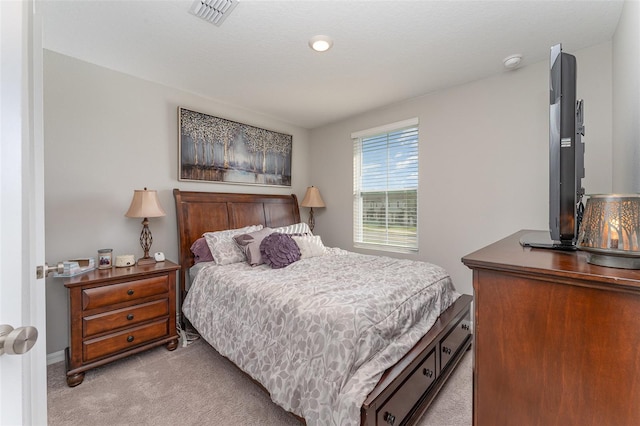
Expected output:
(55, 357)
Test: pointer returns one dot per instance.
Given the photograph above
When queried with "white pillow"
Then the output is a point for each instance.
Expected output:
(298, 228)
(224, 248)
(310, 245)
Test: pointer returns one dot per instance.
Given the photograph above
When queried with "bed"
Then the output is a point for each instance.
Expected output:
(386, 377)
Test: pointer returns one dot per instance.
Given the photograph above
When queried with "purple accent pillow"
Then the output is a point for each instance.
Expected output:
(279, 250)
(200, 250)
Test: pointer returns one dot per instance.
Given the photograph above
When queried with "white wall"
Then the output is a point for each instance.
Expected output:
(483, 159)
(483, 164)
(106, 134)
(626, 100)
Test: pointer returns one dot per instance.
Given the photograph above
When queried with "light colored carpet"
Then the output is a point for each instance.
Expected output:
(197, 386)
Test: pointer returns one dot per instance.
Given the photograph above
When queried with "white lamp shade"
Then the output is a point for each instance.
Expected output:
(312, 198)
(145, 203)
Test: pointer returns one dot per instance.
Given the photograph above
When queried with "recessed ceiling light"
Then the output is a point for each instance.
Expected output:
(512, 61)
(320, 43)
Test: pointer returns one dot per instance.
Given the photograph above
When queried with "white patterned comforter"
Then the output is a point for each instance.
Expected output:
(319, 333)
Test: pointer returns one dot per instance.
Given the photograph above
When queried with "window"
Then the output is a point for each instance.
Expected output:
(385, 187)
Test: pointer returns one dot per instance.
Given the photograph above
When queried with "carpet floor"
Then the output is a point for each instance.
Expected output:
(197, 386)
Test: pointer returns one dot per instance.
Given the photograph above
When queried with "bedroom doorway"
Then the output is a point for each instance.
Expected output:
(23, 388)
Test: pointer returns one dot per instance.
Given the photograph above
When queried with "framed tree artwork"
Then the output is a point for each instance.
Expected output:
(215, 149)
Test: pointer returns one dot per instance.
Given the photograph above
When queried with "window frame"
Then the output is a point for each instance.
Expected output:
(358, 208)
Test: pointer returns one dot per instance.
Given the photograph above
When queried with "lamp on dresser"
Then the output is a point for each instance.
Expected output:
(145, 204)
(610, 230)
(312, 199)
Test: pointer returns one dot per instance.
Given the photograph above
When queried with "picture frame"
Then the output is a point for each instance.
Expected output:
(214, 149)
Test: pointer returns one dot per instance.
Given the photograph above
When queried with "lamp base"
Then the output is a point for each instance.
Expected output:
(146, 261)
(312, 222)
(623, 262)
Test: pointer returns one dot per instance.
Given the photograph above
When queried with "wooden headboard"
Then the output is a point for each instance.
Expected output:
(200, 212)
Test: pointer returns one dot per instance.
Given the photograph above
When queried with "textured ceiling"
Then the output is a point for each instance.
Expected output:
(383, 52)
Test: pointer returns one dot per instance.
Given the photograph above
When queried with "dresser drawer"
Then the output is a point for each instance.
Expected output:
(400, 404)
(125, 317)
(454, 340)
(113, 343)
(99, 297)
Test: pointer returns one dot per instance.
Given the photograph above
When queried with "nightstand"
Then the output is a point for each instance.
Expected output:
(118, 312)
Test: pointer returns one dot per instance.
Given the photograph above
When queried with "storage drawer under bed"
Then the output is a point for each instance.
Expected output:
(454, 340)
(397, 408)
(416, 392)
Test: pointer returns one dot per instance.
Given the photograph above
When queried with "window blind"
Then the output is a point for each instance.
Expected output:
(385, 183)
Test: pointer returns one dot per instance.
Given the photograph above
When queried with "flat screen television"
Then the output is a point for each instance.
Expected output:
(566, 156)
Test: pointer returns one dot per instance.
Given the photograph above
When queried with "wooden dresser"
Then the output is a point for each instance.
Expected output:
(556, 339)
(118, 312)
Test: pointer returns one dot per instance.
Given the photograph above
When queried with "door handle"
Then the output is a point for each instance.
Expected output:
(43, 271)
(18, 341)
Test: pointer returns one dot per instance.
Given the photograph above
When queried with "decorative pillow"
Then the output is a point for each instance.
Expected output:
(200, 250)
(310, 245)
(223, 248)
(250, 245)
(279, 250)
(301, 228)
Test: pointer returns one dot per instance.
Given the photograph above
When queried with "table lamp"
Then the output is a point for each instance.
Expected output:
(145, 204)
(312, 199)
(610, 230)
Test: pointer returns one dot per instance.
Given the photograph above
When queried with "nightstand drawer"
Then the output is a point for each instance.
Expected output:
(99, 297)
(124, 340)
(125, 317)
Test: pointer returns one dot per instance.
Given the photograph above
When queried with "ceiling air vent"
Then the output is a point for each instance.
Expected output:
(214, 11)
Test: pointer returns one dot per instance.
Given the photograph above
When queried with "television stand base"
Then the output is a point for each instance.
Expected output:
(542, 239)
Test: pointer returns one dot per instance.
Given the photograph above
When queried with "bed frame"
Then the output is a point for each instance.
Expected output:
(405, 390)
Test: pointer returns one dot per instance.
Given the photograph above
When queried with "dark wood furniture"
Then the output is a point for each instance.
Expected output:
(200, 212)
(118, 312)
(405, 390)
(555, 338)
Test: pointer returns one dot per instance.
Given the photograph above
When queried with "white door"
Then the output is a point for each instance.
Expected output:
(23, 378)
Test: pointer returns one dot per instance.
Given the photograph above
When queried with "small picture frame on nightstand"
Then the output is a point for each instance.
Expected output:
(105, 258)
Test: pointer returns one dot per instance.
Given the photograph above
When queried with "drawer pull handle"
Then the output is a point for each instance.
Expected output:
(427, 372)
(389, 418)
(446, 350)
(130, 339)
(130, 292)
(130, 317)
